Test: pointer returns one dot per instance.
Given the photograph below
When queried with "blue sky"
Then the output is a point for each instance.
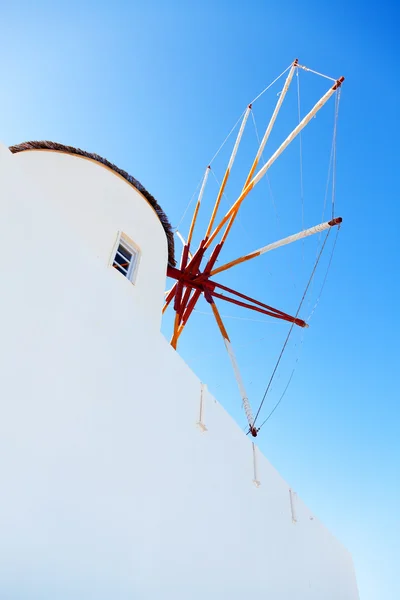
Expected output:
(155, 87)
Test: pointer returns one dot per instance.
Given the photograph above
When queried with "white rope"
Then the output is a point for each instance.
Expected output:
(332, 158)
(229, 203)
(326, 276)
(334, 151)
(301, 152)
(273, 118)
(190, 202)
(227, 138)
(328, 178)
(304, 122)
(237, 122)
(316, 72)
(267, 176)
(291, 329)
(288, 383)
(277, 217)
(252, 102)
(248, 234)
(271, 84)
(332, 161)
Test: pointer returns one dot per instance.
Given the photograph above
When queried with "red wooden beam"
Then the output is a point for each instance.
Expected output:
(189, 277)
(170, 294)
(190, 306)
(224, 287)
(173, 272)
(276, 315)
(179, 289)
(185, 300)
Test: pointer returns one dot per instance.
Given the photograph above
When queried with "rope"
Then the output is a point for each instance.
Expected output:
(301, 152)
(332, 160)
(277, 217)
(213, 158)
(266, 176)
(227, 137)
(271, 84)
(239, 119)
(316, 72)
(326, 275)
(241, 116)
(279, 401)
(308, 320)
(331, 170)
(284, 391)
(230, 204)
(190, 202)
(328, 180)
(337, 100)
(291, 328)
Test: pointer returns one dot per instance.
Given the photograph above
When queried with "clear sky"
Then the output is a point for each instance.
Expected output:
(155, 87)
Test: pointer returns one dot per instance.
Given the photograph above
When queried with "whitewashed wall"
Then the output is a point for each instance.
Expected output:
(109, 489)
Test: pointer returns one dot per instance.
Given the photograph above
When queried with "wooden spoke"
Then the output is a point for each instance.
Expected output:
(287, 240)
(196, 210)
(185, 316)
(174, 339)
(275, 314)
(228, 171)
(232, 212)
(238, 377)
(271, 122)
(193, 279)
(169, 297)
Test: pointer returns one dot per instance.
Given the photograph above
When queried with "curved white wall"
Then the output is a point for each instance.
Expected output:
(109, 489)
(95, 203)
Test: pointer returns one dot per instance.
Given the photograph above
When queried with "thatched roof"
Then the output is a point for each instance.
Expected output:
(45, 145)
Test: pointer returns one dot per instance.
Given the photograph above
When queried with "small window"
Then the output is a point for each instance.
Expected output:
(126, 258)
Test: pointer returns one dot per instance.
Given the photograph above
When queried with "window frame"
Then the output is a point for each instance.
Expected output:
(130, 246)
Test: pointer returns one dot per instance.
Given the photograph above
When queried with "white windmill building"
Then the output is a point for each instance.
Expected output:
(121, 476)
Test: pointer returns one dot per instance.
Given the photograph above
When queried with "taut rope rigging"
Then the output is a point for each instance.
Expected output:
(193, 278)
(291, 329)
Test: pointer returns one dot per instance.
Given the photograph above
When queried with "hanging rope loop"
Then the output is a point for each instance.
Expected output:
(291, 328)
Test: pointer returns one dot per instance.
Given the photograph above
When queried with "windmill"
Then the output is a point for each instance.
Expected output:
(195, 275)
